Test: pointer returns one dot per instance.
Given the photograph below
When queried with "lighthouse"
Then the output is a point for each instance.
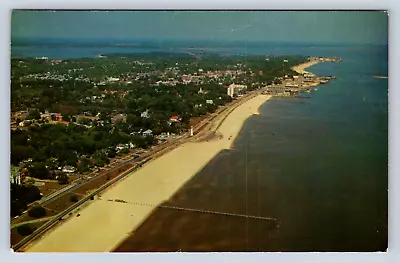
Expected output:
(191, 131)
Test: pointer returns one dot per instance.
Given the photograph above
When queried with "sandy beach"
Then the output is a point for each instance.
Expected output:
(301, 68)
(105, 223)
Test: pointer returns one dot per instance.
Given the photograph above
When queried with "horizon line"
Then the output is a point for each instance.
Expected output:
(128, 38)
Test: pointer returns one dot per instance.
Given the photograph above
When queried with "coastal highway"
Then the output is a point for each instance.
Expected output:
(47, 199)
(62, 214)
(199, 130)
(140, 161)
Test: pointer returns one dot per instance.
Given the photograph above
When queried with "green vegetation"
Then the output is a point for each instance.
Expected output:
(26, 229)
(21, 196)
(34, 114)
(62, 178)
(37, 212)
(81, 111)
(74, 198)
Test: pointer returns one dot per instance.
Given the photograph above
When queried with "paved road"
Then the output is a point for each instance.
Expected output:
(33, 221)
(204, 125)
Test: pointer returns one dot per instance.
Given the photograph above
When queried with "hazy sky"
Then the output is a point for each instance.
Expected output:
(342, 27)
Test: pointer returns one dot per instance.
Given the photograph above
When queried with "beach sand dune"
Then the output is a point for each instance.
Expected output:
(105, 223)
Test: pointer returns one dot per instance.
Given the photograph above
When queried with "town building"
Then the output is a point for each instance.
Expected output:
(234, 89)
(68, 169)
(56, 117)
(148, 132)
(24, 123)
(145, 114)
(119, 147)
(15, 176)
(175, 119)
(118, 118)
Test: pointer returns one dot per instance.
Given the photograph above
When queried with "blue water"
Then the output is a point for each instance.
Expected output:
(69, 49)
(317, 165)
(324, 162)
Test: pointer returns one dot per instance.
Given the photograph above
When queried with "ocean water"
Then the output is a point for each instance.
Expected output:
(319, 166)
(73, 48)
(323, 162)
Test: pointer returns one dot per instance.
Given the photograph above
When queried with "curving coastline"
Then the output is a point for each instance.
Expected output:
(104, 223)
(301, 67)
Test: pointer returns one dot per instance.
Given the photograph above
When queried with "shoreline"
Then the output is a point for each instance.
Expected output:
(301, 68)
(153, 184)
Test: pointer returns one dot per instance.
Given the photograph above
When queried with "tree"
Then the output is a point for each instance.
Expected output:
(37, 211)
(74, 198)
(34, 114)
(85, 121)
(51, 163)
(62, 178)
(150, 140)
(20, 153)
(38, 170)
(111, 153)
(124, 150)
(25, 230)
(21, 196)
(100, 159)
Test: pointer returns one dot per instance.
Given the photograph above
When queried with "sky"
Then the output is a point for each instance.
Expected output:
(283, 26)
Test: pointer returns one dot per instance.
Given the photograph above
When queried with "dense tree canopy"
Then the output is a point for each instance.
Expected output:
(81, 88)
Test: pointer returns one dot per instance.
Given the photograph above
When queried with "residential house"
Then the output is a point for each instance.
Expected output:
(118, 118)
(201, 91)
(148, 132)
(56, 117)
(145, 114)
(175, 119)
(209, 101)
(24, 123)
(119, 147)
(68, 169)
(131, 145)
(46, 116)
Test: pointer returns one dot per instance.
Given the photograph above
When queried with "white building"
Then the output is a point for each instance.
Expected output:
(148, 132)
(15, 179)
(209, 101)
(68, 169)
(145, 114)
(15, 176)
(119, 147)
(175, 119)
(234, 89)
(230, 91)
